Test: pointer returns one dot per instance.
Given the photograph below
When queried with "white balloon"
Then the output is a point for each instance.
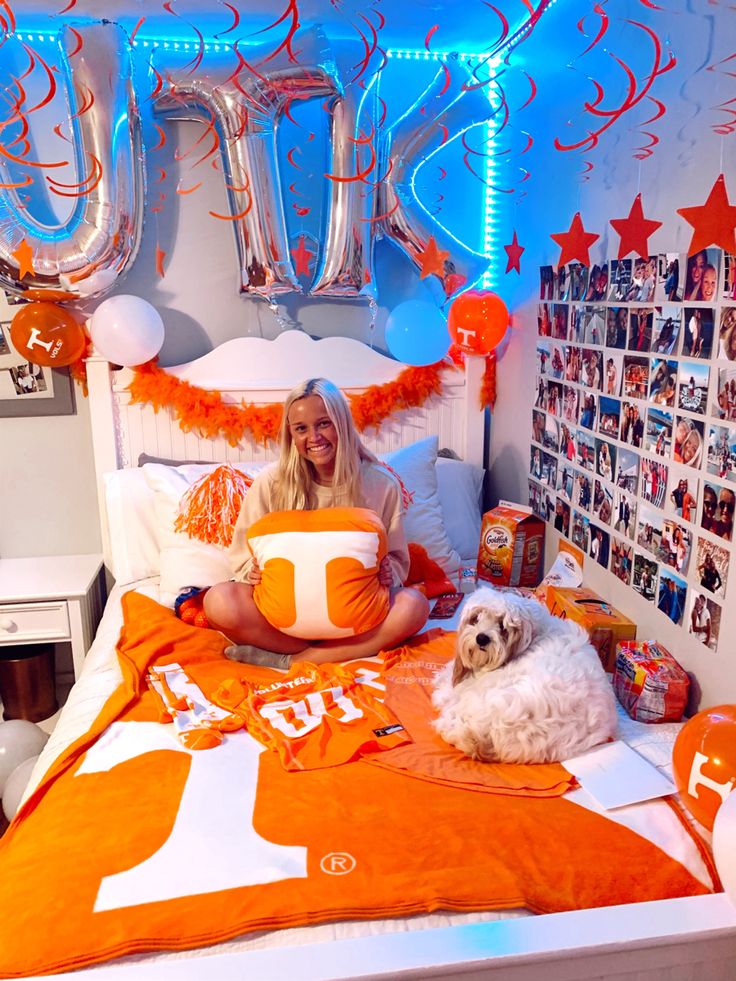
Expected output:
(19, 740)
(127, 330)
(15, 787)
(724, 844)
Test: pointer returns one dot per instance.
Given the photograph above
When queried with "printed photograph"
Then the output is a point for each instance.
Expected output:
(617, 325)
(624, 512)
(649, 529)
(544, 319)
(549, 470)
(591, 375)
(701, 277)
(4, 344)
(621, 280)
(653, 484)
(632, 424)
(717, 510)
(559, 321)
(577, 323)
(711, 563)
(636, 376)
(540, 401)
(580, 534)
(662, 381)
(535, 463)
(682, 498)
(697, 336)
(565, 481)
(597, 283)
(543, 357)
(722, 452)
(658, 432)
(728, 279)
(600, 545)
(567, 442)
(613, 368)
(546, 283)
(692, 390)
(727, 334)
(671, 596)
(588, 410)
(573, 363)
(594, 320)
(609, 416)
(551, 436)
(627, 471)
(583, 492)
(28, 379)
(570, 396)
(671, 268)
(575, 282)
(549, 504)
(676, 545)
(586, 450)
(538, 423)
(602, 502)
(536, 499)
(724, 406)
(562, 517)
(556, 367)
(704, 619)
(641, 320)
(644, 285)
(605, 459)
(554, 398)
(621, 560)
(666, 330)
(644, 579)
(687, 441)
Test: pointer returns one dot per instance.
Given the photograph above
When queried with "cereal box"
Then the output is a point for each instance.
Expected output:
(511, 546)
(606, 626)
(649, 682)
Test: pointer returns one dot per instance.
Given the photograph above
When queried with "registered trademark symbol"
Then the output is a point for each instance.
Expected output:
(338, 863)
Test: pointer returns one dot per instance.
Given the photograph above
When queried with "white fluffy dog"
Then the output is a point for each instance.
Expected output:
(525, 686)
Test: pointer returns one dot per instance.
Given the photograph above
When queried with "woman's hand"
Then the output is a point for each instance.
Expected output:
(253, 576)
(385, 572)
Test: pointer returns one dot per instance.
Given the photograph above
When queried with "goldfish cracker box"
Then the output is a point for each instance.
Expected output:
(511, 547)
(606, 626)
(649, 682)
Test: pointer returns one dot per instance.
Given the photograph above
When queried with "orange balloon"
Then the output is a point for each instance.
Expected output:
(47, 334)
(477, 321)
(704, 761)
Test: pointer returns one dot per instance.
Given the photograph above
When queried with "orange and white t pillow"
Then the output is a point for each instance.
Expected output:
(320, 571)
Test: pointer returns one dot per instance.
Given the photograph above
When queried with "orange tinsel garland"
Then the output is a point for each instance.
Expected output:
(206, 413)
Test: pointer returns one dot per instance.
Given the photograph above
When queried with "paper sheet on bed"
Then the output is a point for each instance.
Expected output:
(616, 775)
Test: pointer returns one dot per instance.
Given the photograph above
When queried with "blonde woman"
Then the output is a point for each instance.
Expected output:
(322, 463)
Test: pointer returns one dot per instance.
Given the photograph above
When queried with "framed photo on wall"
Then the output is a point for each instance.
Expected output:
(28, 389)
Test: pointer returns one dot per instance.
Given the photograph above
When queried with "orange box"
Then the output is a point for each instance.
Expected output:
(606, 626)
(649, 682)
(511, 546)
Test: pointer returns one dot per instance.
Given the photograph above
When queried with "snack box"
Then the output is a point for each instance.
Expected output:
(649, 682)
(605, 624)
(511, 547)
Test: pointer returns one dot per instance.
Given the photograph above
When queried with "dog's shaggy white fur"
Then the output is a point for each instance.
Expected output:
(525, 686)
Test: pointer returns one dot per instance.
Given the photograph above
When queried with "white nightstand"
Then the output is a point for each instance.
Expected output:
(51, 599)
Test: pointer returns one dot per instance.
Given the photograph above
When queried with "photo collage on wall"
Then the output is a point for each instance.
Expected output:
(633, 454)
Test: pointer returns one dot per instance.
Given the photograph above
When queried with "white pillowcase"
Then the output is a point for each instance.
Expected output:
(460, 488)
(423, 521)
(132, 525)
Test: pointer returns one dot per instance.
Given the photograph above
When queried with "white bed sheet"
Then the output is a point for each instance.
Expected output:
(654, 820)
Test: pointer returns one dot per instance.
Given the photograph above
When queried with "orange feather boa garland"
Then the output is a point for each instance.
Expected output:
(206, 413)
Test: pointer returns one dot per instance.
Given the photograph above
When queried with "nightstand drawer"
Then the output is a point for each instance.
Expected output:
(23, 623)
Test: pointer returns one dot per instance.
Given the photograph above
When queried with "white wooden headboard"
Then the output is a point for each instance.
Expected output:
(261, 372)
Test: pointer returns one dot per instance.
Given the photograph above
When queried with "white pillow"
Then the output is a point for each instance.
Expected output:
(132, 525)
(460, 488)
(423, 521)
(185, 561)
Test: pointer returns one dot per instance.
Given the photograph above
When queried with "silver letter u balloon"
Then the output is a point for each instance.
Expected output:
(85, 254)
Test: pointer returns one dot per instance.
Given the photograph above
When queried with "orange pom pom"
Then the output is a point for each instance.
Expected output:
(209, 509)
(187, 613)
(200, 620)
(425, 574)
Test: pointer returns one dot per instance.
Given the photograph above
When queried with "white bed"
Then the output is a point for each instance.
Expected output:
(675, 939)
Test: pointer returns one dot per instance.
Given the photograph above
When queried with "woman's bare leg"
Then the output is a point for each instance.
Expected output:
(229, 607)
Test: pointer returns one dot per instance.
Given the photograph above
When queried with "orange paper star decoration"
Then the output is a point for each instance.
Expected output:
(714, 223)
(575, 242)
(514, 252)
(302, 256)
(635, 231)
(432, 260)
(24, 255)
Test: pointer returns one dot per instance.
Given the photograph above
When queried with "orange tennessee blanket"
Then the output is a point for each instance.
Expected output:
(135, 842)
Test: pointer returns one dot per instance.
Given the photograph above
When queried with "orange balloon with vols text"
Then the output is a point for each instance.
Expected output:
(477, 321)
(47, 334)
(704, 761)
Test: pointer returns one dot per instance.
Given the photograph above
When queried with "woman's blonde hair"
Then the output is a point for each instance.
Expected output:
(295, 476)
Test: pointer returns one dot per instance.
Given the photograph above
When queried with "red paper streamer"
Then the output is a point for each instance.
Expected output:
(236, 19)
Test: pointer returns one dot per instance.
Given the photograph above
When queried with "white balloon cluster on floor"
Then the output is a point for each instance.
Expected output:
(20, 745)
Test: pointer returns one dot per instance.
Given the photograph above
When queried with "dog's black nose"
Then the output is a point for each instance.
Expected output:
(482, 640)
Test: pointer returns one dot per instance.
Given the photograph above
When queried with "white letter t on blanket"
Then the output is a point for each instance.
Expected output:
(213, 844)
